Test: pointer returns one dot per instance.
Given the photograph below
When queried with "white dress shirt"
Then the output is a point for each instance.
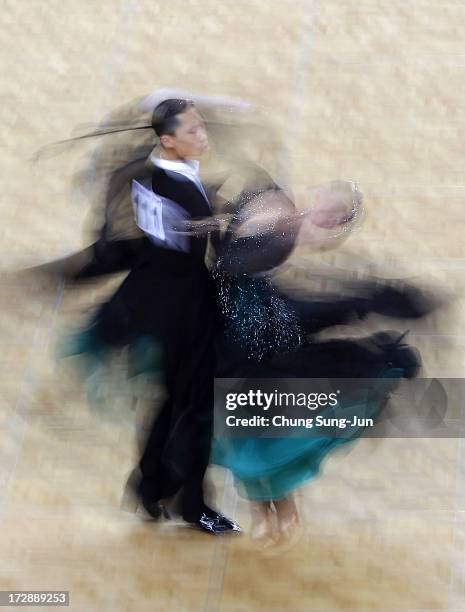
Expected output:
(188, 168)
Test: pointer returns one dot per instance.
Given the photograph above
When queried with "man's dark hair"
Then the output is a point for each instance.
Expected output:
(165, 115)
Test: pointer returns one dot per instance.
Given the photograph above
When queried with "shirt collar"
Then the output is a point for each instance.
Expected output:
(188, 166)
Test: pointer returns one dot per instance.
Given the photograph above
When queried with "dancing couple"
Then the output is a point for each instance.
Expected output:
(200, 288)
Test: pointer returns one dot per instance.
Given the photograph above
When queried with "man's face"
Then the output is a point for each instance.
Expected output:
(190, 139)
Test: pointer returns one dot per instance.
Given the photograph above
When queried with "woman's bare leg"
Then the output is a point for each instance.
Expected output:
(287, 516)
(263, 530)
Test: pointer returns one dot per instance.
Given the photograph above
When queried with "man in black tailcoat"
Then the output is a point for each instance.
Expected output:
(168, 296)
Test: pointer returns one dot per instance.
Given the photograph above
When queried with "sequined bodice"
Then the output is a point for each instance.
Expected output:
(255, 316)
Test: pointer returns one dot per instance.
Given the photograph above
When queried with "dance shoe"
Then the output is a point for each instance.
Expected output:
(155, 509)
(264, 534)
(213, 522)
(289, 531)
(398, 353)
(133, 499)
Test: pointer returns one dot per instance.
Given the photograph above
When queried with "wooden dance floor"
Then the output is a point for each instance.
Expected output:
(371, 90)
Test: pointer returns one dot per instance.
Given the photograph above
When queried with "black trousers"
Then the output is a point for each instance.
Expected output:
(171, 301)
(177, 449)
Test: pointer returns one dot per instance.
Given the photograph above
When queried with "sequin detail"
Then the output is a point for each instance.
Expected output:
(255, 316)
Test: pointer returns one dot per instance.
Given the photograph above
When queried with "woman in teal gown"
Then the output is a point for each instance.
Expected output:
(268, 333)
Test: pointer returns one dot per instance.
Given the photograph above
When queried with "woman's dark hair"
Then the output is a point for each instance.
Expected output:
(165, 115)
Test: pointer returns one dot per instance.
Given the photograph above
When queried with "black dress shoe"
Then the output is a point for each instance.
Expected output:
(213, 522)
(154, 508)
(399, 354)
(132, 491)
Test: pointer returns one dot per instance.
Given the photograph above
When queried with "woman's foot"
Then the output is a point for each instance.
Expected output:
(263, 531)
(288, 520)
